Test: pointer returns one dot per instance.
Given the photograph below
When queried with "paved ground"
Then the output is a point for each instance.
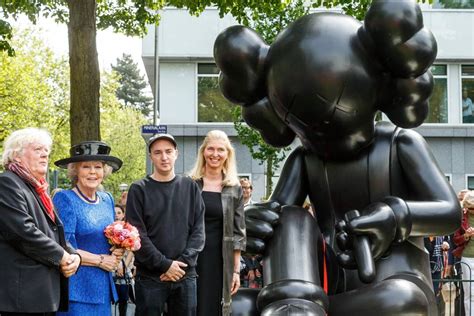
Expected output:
(130, 310)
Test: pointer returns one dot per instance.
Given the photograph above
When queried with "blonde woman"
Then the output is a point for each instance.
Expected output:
(86, 211)
(218, 264)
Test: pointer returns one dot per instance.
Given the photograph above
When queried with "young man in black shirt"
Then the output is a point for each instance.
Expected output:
(168, 211)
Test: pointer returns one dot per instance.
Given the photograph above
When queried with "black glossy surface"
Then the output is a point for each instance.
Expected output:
(323, 80)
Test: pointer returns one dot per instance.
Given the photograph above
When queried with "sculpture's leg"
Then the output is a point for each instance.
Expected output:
(244, 302)
(291, 269)
(406, 295)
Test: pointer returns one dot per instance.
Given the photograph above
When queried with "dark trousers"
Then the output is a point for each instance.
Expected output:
(151, 296)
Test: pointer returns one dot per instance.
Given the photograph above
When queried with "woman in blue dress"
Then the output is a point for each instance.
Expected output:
(85, 212)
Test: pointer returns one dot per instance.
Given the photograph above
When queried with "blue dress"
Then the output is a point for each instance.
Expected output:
(91, 289)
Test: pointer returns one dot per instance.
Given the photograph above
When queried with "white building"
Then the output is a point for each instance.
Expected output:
(188, 85)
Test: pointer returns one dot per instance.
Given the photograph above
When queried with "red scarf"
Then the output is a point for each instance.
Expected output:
(40, 186)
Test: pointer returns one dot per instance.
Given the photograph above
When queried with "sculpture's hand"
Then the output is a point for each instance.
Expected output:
(260, 219)
(378, 222)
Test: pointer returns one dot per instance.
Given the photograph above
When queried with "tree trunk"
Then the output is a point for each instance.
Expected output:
(269, 175)
(85, 75)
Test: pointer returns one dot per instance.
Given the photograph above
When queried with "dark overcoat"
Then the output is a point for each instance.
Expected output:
(31, 248)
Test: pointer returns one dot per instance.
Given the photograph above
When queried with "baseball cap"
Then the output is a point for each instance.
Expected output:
(156, 137)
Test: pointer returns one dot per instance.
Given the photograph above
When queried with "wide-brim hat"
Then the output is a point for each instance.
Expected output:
(90, 151)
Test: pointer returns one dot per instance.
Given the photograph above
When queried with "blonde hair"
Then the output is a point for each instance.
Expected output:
(18, 140)
(230, 166)
(468, 201)
(72, 171)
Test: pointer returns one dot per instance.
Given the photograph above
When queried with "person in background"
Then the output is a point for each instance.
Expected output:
(247, 190)
(218, 267)
(251, 270)
(441, 259)
(168, 211)
(36, 260)
(123, 199)
(123, 277)
(461, 195)
(86, 212)
(467, 108)
(465, 249)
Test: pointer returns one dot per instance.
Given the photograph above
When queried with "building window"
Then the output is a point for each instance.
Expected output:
(448, 177)
(438, 110)
(453, 4)
(467, 93)
(470, 182)
(212, 106)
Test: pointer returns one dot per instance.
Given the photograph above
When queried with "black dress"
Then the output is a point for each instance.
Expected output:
(210, 262)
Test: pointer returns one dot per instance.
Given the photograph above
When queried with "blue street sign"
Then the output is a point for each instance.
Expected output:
(154, 129)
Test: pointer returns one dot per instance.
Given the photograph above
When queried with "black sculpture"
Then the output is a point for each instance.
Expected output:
(376, 188)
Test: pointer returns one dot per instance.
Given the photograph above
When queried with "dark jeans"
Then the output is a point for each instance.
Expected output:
(151, 296)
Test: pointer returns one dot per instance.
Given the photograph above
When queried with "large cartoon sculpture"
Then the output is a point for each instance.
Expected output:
(376, 188)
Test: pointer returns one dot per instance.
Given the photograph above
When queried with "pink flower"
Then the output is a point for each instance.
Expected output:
(123, 235)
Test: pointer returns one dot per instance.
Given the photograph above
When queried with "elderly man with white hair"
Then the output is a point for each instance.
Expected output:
(36, 260)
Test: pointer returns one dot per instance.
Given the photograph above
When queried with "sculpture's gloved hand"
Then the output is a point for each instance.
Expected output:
(377, 221)
(259, 220)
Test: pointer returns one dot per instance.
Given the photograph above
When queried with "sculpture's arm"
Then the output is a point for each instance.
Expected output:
(433, 207)
(292, 186)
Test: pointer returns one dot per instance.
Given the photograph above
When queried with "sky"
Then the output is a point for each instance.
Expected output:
(110, 46)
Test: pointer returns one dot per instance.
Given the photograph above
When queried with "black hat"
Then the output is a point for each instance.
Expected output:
(155, 137)
(90, 151)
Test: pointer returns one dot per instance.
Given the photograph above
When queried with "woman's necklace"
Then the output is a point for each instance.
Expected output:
(85, 197)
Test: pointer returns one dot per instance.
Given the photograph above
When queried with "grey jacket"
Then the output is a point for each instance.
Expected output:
(234, 236)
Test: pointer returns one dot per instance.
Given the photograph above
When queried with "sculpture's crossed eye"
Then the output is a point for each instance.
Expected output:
(325, 118)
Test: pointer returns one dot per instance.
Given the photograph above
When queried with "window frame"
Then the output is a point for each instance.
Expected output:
(197, 75)
(446, 76)
(461, 77)
(467, 176)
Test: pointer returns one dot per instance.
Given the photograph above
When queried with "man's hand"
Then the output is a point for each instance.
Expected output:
(69, 264)
(235, 283)
(175, 272)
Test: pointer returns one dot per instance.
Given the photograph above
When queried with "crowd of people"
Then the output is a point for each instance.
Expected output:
(59, 260)
(452, 257)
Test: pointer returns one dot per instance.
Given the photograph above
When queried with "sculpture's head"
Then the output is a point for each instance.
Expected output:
(326, 76)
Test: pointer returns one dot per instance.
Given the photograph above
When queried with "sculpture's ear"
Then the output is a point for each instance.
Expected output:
(240, 54)
(404, 46)
(406, 51)
(263, 118)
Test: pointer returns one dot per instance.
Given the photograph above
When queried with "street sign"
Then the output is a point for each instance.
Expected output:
(154, 129)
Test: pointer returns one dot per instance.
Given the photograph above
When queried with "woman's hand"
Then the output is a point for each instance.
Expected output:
(109, 262)
(235, 283)
(118, 252)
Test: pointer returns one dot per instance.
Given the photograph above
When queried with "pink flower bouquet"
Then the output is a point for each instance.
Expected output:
(123, 235)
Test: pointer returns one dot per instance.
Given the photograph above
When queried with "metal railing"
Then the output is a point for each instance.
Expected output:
(452, 292)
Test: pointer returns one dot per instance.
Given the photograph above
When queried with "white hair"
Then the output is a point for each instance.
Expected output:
(18, 140)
